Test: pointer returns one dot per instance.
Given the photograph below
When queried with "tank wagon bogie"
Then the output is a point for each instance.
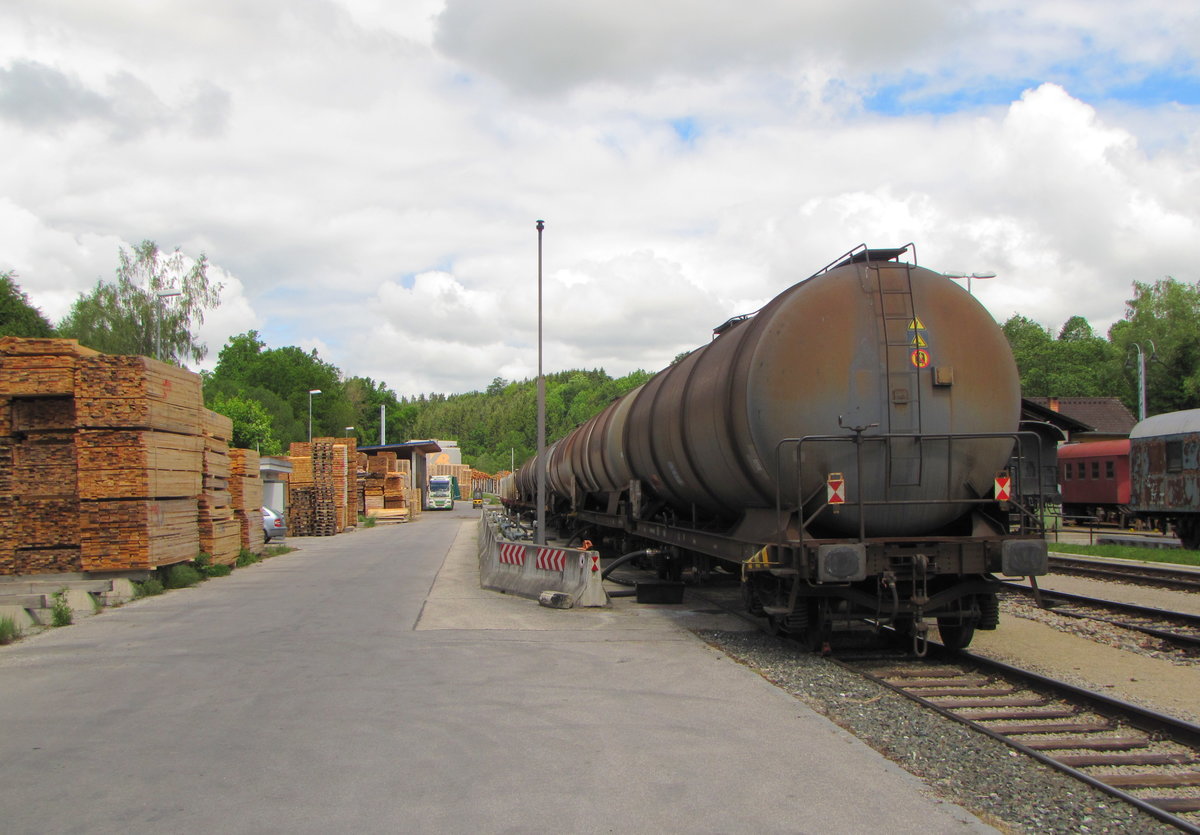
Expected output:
(840, 448)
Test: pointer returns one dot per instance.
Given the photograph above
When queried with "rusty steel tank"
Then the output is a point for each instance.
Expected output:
(885, 370)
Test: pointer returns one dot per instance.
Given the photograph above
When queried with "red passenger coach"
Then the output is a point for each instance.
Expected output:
(1095, 481)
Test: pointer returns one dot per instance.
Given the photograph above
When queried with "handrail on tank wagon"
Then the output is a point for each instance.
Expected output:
(1029, 522)
(852, 256)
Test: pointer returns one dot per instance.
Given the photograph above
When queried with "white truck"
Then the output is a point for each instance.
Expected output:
(440, 495)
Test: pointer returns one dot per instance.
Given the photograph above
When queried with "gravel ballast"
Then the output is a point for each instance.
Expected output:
(1003, 787)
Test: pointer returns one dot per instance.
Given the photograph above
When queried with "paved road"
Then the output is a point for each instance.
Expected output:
(365, 683)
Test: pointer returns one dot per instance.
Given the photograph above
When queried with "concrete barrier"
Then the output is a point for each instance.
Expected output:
(528, 570)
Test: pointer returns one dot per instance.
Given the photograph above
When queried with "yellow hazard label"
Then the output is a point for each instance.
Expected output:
(916, 325)
(918, 341)
(920, 358)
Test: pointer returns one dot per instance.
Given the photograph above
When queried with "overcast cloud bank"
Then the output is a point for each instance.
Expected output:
(365, 176)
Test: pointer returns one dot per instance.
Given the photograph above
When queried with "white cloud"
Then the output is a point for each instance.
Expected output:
(365, 176)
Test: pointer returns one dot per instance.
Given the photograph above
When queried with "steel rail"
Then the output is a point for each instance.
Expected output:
(1186, 619)
(1144, 719)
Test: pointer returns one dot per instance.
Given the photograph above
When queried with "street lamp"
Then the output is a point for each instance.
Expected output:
(311, 392)
(540, 533)
(969, 276)
(349, 429)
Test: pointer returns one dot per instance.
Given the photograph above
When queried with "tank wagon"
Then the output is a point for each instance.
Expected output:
(846, 449)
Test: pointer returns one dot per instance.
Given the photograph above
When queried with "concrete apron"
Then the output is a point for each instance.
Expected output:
(817, 772)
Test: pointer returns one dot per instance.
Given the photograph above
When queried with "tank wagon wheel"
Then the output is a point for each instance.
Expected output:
(956, 633)
(1187, 528)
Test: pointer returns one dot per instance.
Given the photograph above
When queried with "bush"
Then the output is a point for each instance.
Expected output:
(367, 521)
(60, 612)
(148, 587)
(217, 570)
(247, 557)
(202, 560)
(8, 631)
(181, 576)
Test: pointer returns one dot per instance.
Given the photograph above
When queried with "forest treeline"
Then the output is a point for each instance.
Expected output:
(266, 391)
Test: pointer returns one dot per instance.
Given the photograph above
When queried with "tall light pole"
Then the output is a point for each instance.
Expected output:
(541, 407)
(1142, 379)
(311, 392)
(349, 429)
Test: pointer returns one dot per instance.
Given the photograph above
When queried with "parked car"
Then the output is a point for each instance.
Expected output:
(273, 525)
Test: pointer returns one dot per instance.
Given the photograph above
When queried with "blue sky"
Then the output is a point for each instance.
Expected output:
(364, 175)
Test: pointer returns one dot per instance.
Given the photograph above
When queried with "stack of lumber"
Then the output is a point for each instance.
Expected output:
(101, 459)
(379, 463)
(394, 485)
(300, 509)
(321, 487)
(139, 459)
(108, 463)
(246, 494)
(324, 508)
(220, 532)
(341, 488)
(39, 507)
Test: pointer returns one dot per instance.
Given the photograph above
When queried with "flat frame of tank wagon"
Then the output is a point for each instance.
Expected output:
(771, 541)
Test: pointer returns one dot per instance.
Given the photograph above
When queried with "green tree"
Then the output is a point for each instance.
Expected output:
(150, 309)
(17, 316)
(1031, 346)
(1077, 364)
(279, 377)
(1162, 318)
(251, 423)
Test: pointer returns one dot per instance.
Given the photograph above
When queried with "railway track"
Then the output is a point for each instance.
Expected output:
(1142, 757)
(1180, 630)
(1147, 759)
(1147, 574)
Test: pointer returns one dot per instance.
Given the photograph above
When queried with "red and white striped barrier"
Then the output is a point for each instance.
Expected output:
(551, 559)
(509, 566)
(512, 554)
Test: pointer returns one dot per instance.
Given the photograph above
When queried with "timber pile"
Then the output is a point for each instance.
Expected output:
(324, 510)
(139, 393)
(105, 462)
(300, 509)
(246, 493)
(321, 486)
(220, 532)
(133, 464)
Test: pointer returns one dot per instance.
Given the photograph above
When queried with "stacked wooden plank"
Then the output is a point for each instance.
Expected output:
(323, 484)
(300, 490)
(102, 460)
(220, 532)
(301, 499)
(341, 488)
(39, 511)
(246, 494)
(108, 463)
(138, 462)
(324, 507)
